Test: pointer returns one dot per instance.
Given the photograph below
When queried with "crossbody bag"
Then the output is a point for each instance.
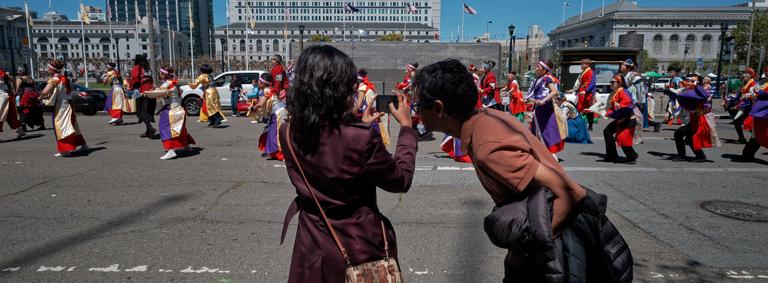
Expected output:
(385, 270)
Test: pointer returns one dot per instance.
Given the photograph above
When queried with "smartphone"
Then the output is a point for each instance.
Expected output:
(383, 101)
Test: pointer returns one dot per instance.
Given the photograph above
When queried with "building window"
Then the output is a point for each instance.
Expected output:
(674, 44)
(258, 45)
(275, 45)
(689, 43)
(242, 45)
(706, 44)
(658, 41)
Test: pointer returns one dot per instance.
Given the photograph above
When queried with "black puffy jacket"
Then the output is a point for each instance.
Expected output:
(590, 249)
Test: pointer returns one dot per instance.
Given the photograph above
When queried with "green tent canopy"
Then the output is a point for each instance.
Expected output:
(652, 74)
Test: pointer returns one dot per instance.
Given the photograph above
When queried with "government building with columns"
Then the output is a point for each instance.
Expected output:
(668, 34)
(277, 24)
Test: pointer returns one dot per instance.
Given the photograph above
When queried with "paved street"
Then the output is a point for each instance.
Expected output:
(120, 214)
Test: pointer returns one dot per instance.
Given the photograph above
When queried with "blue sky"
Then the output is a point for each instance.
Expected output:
(521, 13)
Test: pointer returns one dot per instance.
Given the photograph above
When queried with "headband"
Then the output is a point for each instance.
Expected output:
(164, 71)
(544, 65)
(264, 81)
(411, 66)
(360, 78)
(52, 67)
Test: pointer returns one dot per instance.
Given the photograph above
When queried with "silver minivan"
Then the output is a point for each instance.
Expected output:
(191, 98)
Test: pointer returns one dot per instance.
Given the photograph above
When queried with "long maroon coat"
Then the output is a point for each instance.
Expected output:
(345, 171)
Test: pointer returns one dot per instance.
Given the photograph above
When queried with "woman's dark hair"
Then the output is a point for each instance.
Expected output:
(111, 65)
(141, 61)
(169, 69)
(58, 65)
(266, 77)
(362, 73)
(451, 83)
(321, 95)
(22, 70)
(206, 69)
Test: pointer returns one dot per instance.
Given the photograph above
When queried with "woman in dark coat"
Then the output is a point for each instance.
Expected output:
(141, 81)
(344, 160)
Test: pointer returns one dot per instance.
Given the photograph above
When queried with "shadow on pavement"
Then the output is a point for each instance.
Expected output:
(735, 158)
(27, 137)
(57, 246)
(87, 152)
(188, 153)
(662, 154)
(731, 141)
(470, 255)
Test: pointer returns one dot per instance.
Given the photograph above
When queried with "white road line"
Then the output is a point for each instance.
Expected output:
(603, 169)
(111, 268)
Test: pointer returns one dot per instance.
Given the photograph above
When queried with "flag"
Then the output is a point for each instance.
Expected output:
(349, 9)
(191, 22)
(227, 7)
(469, 10)
(249, 31)
(410, 8)
(361, 32)
(287, 13)
(138, 16)
(26, 11)
(253, 24)
(437, 35)
(84, 14)
(109, 12)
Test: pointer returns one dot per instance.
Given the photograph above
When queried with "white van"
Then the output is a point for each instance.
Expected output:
(190, 98)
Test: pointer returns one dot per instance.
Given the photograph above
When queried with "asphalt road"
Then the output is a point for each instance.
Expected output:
(119, 214)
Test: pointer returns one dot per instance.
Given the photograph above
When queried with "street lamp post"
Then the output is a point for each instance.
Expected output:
(723, 30)
(487, 31)
(511, 47)
(685, 55)
(223, 65)
(301, 37)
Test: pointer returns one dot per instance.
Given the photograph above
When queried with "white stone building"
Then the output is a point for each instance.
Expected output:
(392, 11)
(268, 39)
(667, 32)
(62, 39)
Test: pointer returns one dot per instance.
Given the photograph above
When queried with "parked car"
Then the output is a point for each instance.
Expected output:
(660, 84)
(603, 91)
(85, 100)
(191, 98)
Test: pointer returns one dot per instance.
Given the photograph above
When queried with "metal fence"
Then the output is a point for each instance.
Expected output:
(386, 61)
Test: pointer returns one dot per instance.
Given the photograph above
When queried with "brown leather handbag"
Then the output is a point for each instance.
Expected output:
(385, 270)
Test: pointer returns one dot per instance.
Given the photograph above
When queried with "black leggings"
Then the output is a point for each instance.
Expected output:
(590, 119)
(739, 123)
(683, 136)
(610, 142)
(750, 149)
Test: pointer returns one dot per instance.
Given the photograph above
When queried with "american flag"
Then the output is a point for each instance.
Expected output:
(109, 12)
(287, 13)
(349, 8)
(469, 10)
(410, 8)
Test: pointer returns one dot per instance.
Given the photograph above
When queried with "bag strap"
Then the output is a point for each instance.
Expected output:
(319, 207)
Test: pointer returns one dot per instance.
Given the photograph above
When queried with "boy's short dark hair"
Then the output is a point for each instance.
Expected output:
(450, 82)
(206, 69)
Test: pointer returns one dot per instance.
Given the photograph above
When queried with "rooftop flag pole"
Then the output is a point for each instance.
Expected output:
(53, 37)
(191, 38)
(227, 37)
(83, 19)
(581, 11)
(32, 67)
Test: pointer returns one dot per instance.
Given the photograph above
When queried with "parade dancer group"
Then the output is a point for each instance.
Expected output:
(553, 119)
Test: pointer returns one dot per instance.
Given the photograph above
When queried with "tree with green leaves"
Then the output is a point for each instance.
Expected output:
(320, 38)
(647, 63)
(759, 39)
(391, 37)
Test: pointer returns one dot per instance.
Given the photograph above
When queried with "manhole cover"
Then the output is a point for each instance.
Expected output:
(737, 210)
